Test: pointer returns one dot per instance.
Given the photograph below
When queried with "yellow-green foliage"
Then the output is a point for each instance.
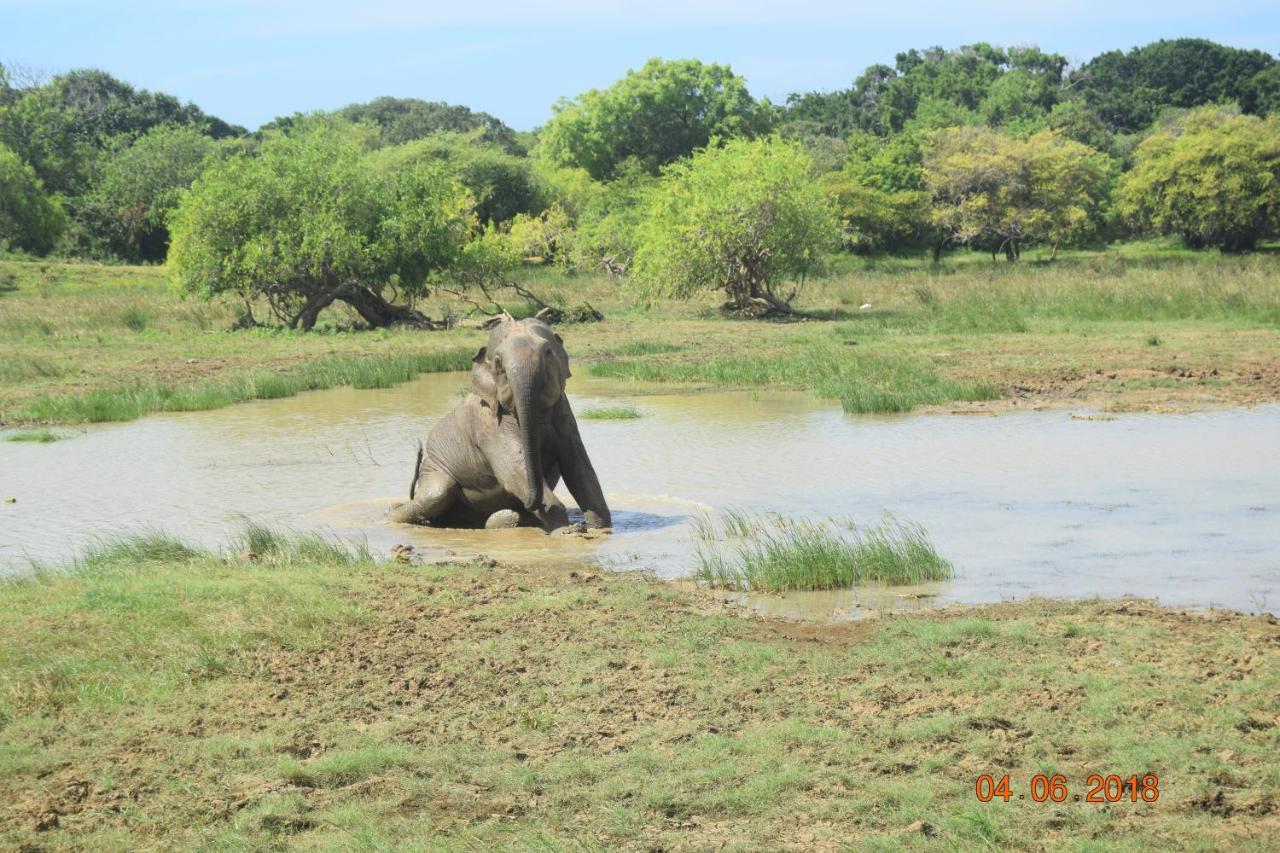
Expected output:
(742, 218)
(1212, 177)
(1013, 192)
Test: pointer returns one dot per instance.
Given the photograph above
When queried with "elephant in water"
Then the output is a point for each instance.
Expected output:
(495, 459)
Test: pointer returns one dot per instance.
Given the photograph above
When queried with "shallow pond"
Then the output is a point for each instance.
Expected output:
(1184, 508)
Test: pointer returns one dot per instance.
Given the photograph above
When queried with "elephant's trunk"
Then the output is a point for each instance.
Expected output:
(523, 384)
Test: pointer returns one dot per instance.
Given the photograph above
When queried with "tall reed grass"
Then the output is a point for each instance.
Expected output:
(771, 553)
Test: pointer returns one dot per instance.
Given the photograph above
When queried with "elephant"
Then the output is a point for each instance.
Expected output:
(496, 458)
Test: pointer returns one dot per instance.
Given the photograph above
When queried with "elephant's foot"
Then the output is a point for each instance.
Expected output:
(409, 512)
(570, 529)
(600, 522)
(503, 519)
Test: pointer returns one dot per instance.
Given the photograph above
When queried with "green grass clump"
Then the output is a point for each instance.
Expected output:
(611, 413)
(265, 543)
(134, 319)
(36, 436)
(346, 767)
(24, 368)
(769, 553)
(126, 404)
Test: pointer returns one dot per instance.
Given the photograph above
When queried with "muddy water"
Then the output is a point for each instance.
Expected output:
(1184, 508)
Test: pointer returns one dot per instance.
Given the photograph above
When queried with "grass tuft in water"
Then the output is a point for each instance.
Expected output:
(126, 404)
(133, 550)
(35, 436)
(771, 553)
(611, 413)
(260, 542)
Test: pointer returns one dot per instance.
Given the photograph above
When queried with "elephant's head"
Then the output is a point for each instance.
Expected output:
(521, 372)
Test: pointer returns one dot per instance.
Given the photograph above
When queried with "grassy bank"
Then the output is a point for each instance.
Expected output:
(158, 695)
(1118, 330)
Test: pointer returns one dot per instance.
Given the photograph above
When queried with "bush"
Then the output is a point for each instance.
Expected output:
(1212, 177)
(1007, 193)
(742, 218)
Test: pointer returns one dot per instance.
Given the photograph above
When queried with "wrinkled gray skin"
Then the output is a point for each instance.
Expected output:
(495, 459)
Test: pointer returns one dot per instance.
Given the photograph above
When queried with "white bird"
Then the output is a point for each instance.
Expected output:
(864, 306)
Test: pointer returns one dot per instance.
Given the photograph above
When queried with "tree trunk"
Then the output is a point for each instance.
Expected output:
(305, 319)
(378, 312)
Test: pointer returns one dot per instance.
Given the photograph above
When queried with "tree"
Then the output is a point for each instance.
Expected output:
(880, 193)
(1213, 178)
(309, 221)
(138, 187)
(1128, 90)
(1262, 95)
(740, 218)
(503, 185)
(655, 115)
(1006, 193)
(403, 120)
(29, 219)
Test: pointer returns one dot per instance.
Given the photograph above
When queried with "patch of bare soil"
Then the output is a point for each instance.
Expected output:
(1155, 388)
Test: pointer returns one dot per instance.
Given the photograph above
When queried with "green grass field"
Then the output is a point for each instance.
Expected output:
(293, 693)
(1135, 327)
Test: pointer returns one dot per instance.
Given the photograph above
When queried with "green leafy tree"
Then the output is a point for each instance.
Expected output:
(742, 218)
(1129, 90)
(1213, 178)
(990, 189)
(880, 193)
(63, 127)
(655, 116)
(1262, 95)
(29, 219)
(503, 184)
(402, 120)
(933, 88)
(308, 221)
(138, 187)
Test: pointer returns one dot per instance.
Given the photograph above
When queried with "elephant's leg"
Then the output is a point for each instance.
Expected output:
(435, 494)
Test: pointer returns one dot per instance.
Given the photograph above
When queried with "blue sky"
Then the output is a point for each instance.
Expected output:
(248, 62)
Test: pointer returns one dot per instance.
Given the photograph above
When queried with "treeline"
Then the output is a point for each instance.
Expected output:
(982, 147)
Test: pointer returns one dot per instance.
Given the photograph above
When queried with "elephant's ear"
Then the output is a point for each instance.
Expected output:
(563, 357)
(483, 384)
